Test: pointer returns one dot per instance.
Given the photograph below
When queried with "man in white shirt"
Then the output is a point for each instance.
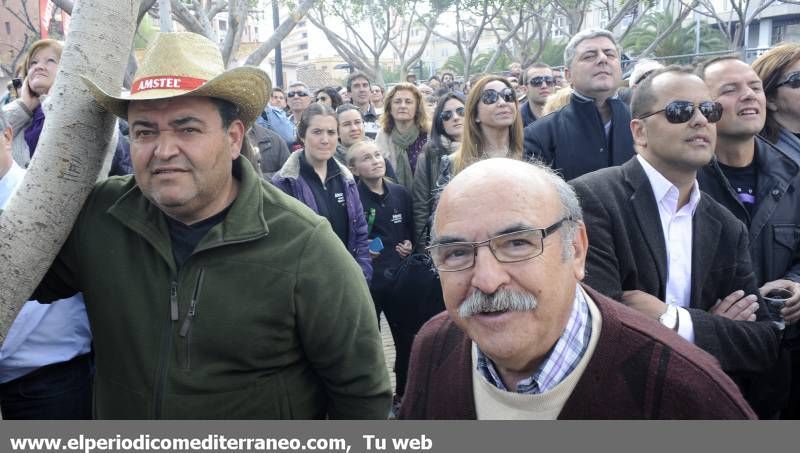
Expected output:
(664, 248)
(45, 365)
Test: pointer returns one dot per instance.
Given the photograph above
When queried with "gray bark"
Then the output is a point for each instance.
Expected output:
(70, 153)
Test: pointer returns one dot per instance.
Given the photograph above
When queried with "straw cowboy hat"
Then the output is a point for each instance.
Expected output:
(188, 64)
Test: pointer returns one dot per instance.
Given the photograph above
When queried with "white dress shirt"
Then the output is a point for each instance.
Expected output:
(41, 334)
(676, 223)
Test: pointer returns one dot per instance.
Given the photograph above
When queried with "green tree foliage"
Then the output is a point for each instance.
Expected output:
(145, 33)
(553, 52)
(680, 42)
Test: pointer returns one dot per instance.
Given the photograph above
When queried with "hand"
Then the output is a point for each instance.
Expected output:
(790, 311)
(404, 248)
(649, 305)
(28, 96)
(736, 306)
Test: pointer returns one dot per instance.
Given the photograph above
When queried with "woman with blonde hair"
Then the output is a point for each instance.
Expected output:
(779, 70)
(493, 126)
(404, 130)
(556, 101)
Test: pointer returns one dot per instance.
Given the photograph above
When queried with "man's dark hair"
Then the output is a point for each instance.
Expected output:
(434, 77)
(701, 68)
(274, 89)
(644, 97)
(354, 76)
(228, 111)
(537, 65)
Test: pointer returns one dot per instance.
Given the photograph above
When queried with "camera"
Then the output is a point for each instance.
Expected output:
(17, 82)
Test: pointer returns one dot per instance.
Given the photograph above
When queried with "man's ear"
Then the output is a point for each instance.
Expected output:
(568, 75)
(236, 133)
(639, 132)
(580, 247)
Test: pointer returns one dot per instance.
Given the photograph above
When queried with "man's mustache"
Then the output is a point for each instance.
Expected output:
(504, 299)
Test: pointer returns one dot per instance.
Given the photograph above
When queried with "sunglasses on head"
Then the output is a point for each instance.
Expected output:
(678, 112)
(490, 96)
(447, 115)
(292, 94)
(793, 81)
(538, 80)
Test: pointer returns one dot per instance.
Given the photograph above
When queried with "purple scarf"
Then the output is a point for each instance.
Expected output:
(34, 129)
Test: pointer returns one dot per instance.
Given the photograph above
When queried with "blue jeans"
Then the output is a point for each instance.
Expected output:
(61, 391)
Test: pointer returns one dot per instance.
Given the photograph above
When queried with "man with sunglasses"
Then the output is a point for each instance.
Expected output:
(522, 338)
(299, 98)
(759, 184)
(666, 249)
(591, 132)
(538, 83)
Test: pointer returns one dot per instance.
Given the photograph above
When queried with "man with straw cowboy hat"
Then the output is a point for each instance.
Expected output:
(210, 293)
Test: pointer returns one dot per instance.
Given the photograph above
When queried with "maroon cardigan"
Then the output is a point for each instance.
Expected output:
(639, 369)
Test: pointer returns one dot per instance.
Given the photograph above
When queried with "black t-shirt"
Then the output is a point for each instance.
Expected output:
(330, 196)
(743, 180)
(186, 237)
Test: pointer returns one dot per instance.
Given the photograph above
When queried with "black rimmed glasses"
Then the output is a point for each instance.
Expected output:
(539, 80)
(678, 112)
(511, 247)
(447, 115)
(792, 81)
(490, 96)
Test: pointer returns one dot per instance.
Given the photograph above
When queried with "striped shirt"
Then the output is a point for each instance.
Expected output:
(559, 362)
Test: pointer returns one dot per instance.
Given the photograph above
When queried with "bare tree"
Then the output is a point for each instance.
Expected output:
(401, 38)
(70, 153)
(522, 30)
(281, 32)
(685, 10)
(574, 11)
(735, 22)
(471, 19)
(365, 35)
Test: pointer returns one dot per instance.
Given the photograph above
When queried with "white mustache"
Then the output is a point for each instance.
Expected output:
(504, 299)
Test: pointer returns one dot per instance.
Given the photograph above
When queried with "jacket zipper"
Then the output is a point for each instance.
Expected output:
(165, 348)
(185, 331)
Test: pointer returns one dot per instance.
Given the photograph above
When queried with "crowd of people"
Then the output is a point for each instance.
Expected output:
(236, 256)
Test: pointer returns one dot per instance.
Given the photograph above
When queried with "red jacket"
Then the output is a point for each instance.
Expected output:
(639, 369)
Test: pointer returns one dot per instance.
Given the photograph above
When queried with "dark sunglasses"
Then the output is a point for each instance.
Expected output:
(447, 115)
(678, 112)
(793, 81)
(292, 94)
(490, 96)
(538, 80)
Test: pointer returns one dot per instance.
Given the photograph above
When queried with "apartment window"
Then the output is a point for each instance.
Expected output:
(223, 25)
(785, 30)
(8, 27)
(304, 35)
(302, 46)
(560, 27)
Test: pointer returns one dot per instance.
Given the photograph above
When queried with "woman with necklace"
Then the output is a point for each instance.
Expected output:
(404, 130)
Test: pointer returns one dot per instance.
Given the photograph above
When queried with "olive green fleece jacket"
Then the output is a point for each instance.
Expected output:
(270, 317)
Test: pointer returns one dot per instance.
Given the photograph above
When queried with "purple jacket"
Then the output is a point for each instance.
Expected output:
(289, 180)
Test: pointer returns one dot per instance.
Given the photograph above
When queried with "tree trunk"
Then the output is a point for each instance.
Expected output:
(70, 153)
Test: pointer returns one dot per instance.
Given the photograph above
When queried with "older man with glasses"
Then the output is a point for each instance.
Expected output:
(522, 338)
(668, 250)
(299, 98)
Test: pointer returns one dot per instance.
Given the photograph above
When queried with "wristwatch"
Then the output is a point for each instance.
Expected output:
(670, 317)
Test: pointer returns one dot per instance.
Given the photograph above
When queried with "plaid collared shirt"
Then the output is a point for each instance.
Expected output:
(560, 361)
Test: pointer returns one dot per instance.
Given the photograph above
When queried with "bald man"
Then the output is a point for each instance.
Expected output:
(522, 338)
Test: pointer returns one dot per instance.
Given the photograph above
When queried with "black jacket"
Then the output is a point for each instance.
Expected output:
(393, 222)
(627, 252)
(528, 116)
(775, 224)
(573, 140)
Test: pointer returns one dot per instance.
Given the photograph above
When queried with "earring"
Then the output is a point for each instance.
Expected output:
(477, 120)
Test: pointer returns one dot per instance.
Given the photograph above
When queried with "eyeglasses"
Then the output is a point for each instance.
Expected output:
(507, 248)
(538, 80)
(793, 81)
(490, 96)
(678, 112)
(291, 94)
(447, 115)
